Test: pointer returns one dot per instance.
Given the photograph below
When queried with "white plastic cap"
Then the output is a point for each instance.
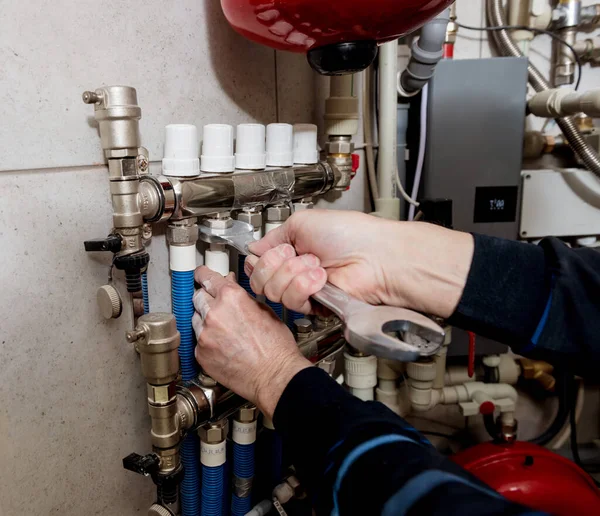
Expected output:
(305, 144)
(181, 151)
(250, 147)
(280, 145)
(217, 148)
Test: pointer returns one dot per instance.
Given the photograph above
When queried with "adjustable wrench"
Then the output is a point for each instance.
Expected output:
(374, 330)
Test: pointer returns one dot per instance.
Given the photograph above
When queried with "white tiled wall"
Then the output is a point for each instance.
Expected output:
(72, 394)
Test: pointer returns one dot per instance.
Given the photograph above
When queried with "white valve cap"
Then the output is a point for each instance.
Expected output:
(217, 148)
(280, 145)
(181, 151)
(305, 144)
(250, 151)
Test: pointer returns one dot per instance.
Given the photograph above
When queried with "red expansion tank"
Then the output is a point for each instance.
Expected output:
(354, 26)
(533, 476)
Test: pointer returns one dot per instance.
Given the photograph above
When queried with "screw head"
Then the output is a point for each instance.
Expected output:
(142, 163)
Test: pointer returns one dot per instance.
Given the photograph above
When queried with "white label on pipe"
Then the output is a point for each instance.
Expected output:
(244, 433)
(212, 455)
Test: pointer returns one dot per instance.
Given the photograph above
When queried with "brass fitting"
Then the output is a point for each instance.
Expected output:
(278, 213)
(339, 155)
(118, 115)
(165, 430)
(251, 216)
(302, 328)
(247, 414)
(538, 370)
(183, 232)
(169, 459)
(214, 433)
(218, 221)
(157, 341)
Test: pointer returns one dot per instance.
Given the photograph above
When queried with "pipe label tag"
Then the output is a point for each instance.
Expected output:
(244, 433)
(212, 455)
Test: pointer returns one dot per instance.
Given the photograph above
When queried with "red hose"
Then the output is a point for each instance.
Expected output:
(471, 365)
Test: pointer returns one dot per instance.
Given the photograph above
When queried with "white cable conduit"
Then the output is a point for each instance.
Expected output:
(368, 131)
(387, 203)
(422, 146)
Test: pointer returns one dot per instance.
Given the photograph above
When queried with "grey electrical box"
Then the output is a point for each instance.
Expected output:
(475, 125)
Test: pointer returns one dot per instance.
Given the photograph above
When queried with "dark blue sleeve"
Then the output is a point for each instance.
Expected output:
(542, 300)
(358, 457)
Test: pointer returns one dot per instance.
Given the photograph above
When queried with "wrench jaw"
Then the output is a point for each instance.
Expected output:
(369, 331)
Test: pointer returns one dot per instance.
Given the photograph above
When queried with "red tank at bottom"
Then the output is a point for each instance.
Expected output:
(533, 476)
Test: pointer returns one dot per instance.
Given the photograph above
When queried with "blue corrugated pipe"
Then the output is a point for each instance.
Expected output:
(145, 293)
(243, 469)
(292, 316)
(213, 487)
(182, 285)
(243, 279)
(277, 308)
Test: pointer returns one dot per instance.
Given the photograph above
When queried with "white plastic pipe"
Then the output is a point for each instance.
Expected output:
(388, 204)
(216, 258)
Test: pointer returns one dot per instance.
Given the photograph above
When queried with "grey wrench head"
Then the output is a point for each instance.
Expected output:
(394, 333)
(239, 235)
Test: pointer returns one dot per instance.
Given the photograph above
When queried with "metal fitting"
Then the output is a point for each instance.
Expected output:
(169, 459)
(590, 17)
(118, 114)
(184, 232)
(218, 221)
(508, 431)
(160, 394)
(157, 341)
(251, 216)
(342, 165)
(566, 14)
(324, 321)
(303, 328)
(191, 402)
(122, 168)
(165, 432)
(247, 414)
(539, 371)
(156, 198)
(339, 145)
(213, 433)
(278, 213)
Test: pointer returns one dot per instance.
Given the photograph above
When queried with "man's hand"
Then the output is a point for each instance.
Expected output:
(241, 343)
(412, 265)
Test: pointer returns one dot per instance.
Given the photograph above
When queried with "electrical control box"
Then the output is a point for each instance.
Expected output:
(475, 126)
(562, 203)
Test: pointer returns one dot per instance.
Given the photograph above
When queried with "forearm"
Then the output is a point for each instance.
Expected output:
(358, 457)
(539, 299)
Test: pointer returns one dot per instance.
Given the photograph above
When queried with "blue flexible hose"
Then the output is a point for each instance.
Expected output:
(189, 492)
(292, 316)
(213, 485)
(183, 308)
(145, 293)
(277, 308)
(243, 468)
(243, 279)
(182, 285)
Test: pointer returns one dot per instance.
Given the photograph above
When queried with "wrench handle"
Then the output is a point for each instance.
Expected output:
(339, 302)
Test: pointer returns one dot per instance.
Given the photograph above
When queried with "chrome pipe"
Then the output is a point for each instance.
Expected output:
(216, 193)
